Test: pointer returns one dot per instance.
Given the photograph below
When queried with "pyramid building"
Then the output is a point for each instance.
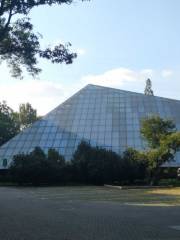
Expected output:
(105, 117)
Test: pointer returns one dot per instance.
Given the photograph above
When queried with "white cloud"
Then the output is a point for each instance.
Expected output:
(46, 95)
(43, 95)
(118, 77)
(166, 73)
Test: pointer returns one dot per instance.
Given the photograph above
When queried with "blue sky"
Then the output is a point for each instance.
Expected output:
(120, 44)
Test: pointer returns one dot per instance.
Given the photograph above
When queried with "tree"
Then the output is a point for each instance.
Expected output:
(80, 162)
(148, 89)
(93, 165)
(154, 128)
(57, 167)
(9, 127)
(54, 157)
(38, 168)
(30, 168)
(163, 140)
(134, 166)
(27, 115)
(19, 45)
(11, 123)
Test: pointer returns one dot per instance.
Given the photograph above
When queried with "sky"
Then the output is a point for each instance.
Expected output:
(120, 44)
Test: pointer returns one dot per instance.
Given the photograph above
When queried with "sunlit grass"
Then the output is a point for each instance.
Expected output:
(143, 197)
(169, 191)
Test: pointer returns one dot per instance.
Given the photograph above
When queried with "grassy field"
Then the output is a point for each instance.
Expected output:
(154, 196)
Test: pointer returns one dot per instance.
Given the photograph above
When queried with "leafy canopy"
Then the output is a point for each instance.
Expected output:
(19, 45)
(37, 167)
(163, 140)
(94, 165)
(154, 128)
(27, 115)
(134, 165)
(11, 123)
(9, 127)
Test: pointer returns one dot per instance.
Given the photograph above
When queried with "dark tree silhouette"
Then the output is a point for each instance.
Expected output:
(19, 45)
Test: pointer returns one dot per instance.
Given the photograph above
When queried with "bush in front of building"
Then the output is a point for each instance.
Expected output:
(93, 165)
(169, 182)
(89, 165)
(38, 168)
(134, 167)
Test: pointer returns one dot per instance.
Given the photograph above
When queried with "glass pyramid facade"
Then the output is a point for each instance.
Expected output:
(105, 117)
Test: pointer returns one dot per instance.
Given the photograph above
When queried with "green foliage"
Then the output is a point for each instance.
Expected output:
(9, 127)
(163, 141)
(12, 122)
(37, 168)
(154, 128)
(166, 151)
(171, 142)
(93, 165)
(134, 166)
(19, 45)
(27, 115)
(89, 165)
(168, 172)
(169, 182)
(54, 157)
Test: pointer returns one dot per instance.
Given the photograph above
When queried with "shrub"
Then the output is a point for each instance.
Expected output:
(169, 182)
(134, 167)
(170, 172)
(37, 168)
(89, 165)
(93, 165)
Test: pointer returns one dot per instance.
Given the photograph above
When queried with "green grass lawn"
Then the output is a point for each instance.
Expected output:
(154, 196)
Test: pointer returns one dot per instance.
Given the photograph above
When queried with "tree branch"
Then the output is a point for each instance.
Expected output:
(2, 7)
(3, 32)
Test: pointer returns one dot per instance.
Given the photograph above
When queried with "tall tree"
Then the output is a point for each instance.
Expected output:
(27, 115)
(19, 45)
(9, 127)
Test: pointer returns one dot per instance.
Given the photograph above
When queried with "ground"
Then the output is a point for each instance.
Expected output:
(89, 213)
